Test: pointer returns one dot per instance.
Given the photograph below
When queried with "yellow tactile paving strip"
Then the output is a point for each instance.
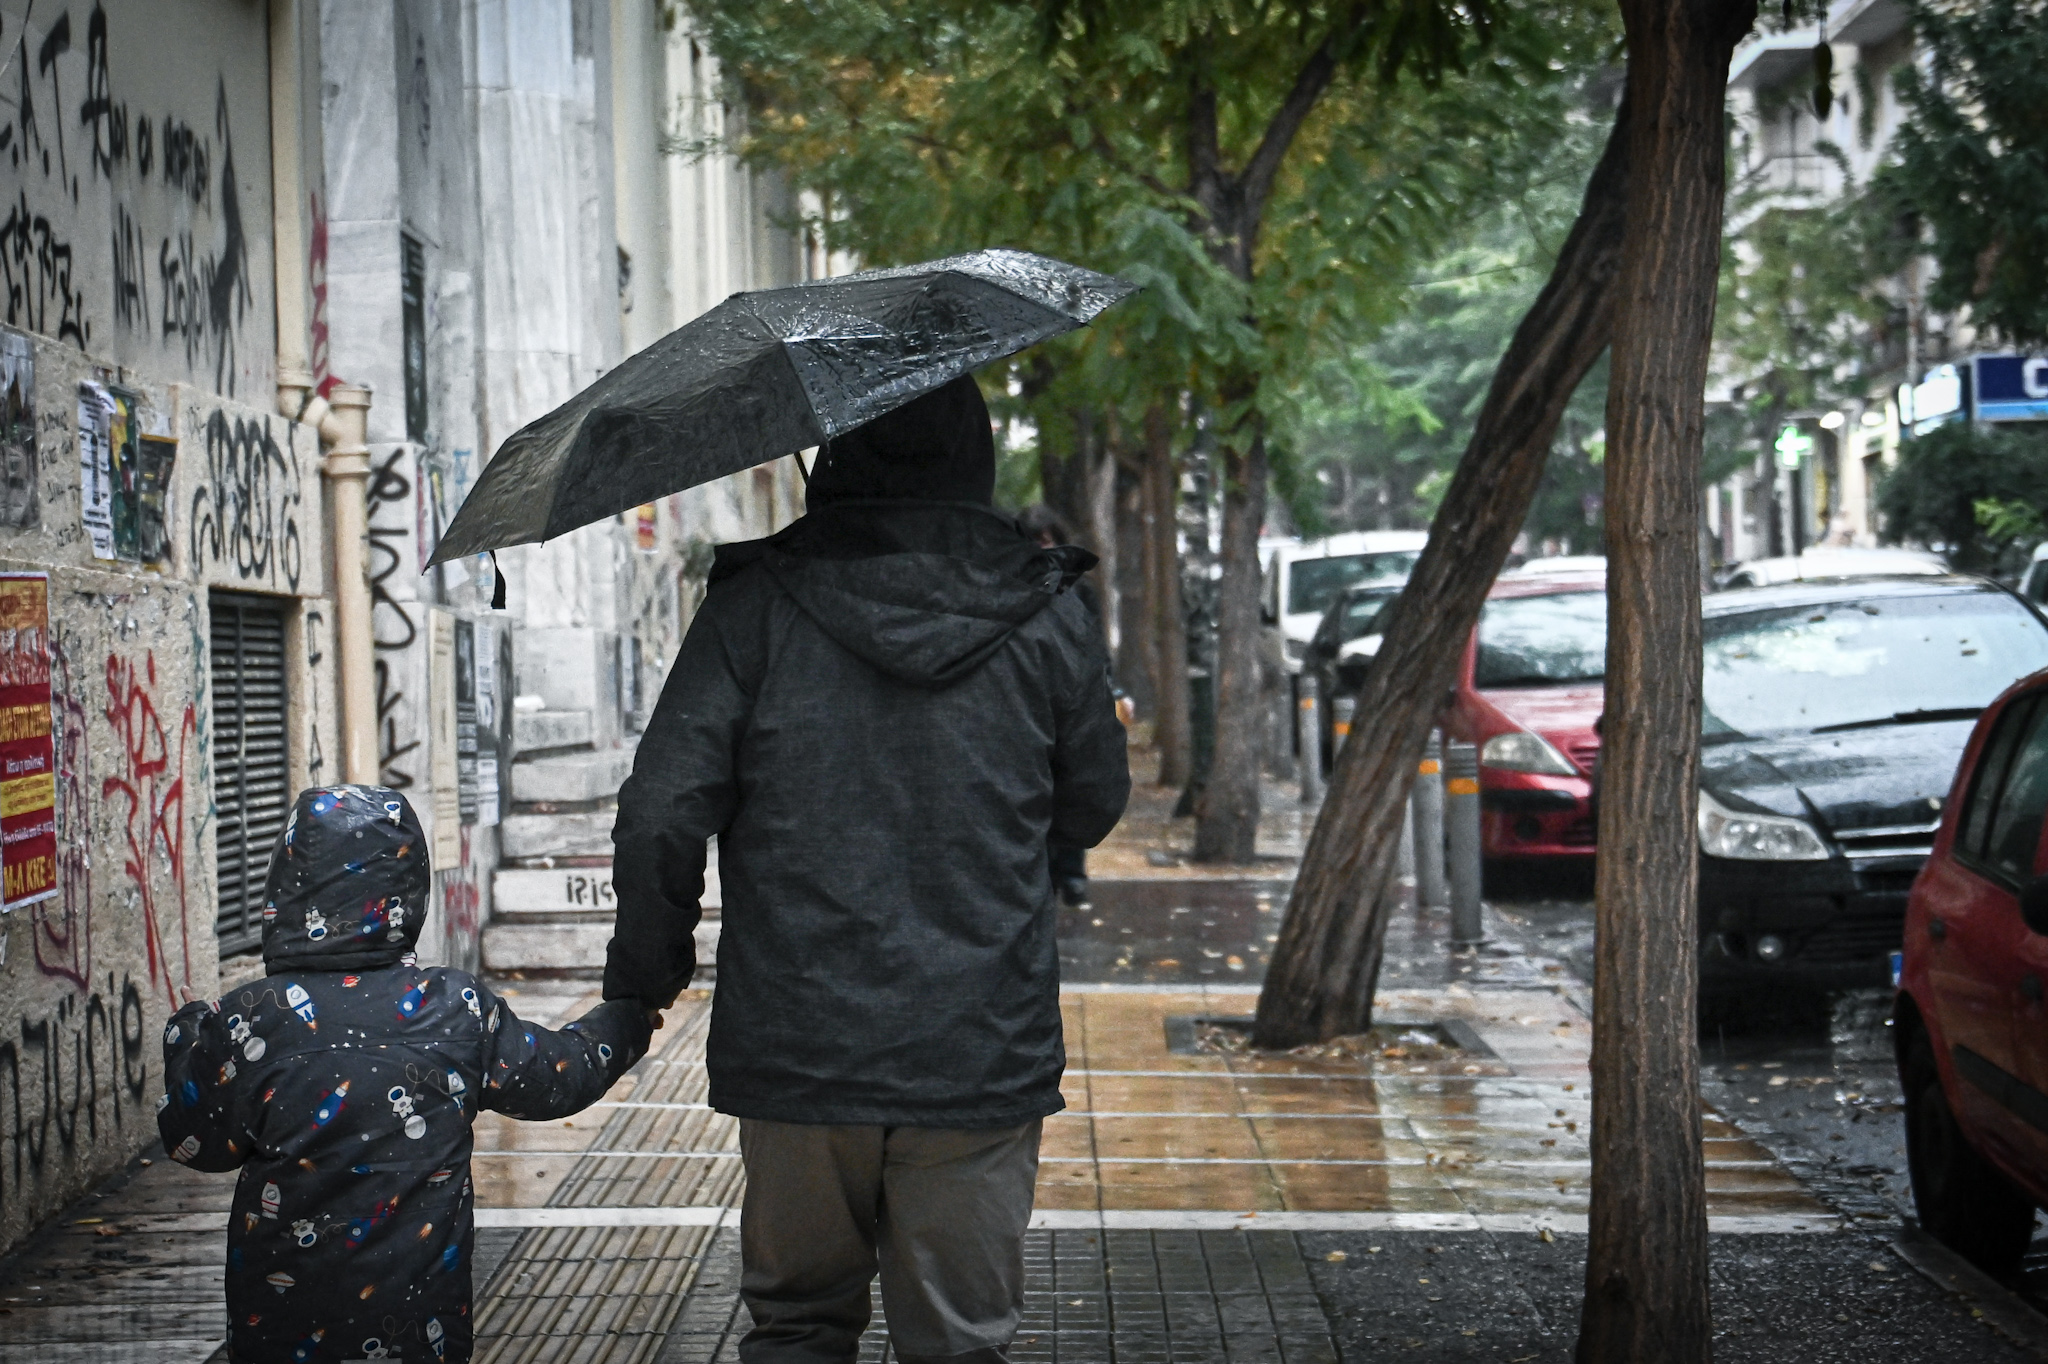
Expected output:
(1151, 1130)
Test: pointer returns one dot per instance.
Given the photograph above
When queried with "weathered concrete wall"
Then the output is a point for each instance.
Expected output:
(135, 185)
(88, 977)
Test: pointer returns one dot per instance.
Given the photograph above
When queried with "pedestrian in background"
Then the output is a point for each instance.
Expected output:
(343, 1085)
(1069, 861)
(882, 713)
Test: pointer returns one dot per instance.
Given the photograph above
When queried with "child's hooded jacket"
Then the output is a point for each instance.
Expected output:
(343, 1085)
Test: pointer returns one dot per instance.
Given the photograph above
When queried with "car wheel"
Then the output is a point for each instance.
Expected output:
(1964, 1200)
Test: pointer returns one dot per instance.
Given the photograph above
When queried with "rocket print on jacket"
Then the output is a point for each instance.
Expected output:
(343, 1085)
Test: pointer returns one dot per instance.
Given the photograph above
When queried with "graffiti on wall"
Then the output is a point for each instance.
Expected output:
(154, 741)
(129, 218)
(395, 617)
(246, 506)
(97, 1035)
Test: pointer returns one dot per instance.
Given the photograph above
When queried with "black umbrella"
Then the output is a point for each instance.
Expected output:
(763, 375)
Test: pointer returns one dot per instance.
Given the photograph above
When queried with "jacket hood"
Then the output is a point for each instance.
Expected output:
(349, 882)
(937, 447)
(923, 591)
(1854, 779)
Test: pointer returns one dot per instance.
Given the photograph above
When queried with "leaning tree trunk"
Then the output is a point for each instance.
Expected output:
(1326, 964)
(1168, 636)
(1646, 1261)
(1227, 815)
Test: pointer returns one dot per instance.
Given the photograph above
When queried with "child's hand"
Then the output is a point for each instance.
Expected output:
(188, 995)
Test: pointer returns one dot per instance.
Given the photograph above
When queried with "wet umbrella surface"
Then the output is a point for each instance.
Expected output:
(763, 375)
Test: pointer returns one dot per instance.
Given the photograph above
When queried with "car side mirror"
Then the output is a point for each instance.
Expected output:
(2034, 905)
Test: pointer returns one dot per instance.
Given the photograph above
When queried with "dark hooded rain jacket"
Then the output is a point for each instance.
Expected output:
(882, 714)
(343, 1086)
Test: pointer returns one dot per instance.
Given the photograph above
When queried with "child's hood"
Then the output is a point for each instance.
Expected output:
(349, 882)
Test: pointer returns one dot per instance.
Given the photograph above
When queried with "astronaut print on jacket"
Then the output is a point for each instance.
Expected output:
(343, 1085)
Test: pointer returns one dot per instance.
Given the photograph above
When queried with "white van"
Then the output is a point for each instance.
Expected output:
(1304, 576)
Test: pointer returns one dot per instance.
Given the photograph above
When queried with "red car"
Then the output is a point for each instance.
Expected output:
(1970, 1024)
(1529, 694)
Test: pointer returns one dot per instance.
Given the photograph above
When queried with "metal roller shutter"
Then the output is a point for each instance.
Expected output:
(251, 756)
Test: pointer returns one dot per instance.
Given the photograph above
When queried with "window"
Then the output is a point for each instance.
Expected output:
(2002, 823)
(251, 762)
(1542, 641)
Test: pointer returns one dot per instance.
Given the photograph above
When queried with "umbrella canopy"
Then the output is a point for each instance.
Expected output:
(763, 375)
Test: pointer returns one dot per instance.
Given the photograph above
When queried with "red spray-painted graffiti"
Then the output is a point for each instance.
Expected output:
(461, 907)
(152, 777)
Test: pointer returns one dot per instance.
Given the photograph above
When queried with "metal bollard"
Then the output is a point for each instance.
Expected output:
(1341, 710)
(1428, 799)
(1404, 853)
(1308, 730)
(1461, 826)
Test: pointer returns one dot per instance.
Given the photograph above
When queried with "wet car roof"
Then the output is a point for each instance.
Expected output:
(1546, 585)
(1826, 592)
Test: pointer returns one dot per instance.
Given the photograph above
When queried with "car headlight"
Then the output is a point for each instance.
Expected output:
(1756, 838)
(1519, 750)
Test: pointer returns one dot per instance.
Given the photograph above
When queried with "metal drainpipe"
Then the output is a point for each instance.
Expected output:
(342, 419)
(347, 468)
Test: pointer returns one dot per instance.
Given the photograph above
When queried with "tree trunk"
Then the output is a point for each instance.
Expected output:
(1099, 534)
(1163, 608)
(1325, 966)
(1646, 1264)
(1227, 815)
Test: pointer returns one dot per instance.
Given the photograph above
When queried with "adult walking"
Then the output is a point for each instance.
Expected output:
(883, 713)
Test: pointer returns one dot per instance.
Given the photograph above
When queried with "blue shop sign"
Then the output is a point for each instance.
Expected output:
(2011, 388)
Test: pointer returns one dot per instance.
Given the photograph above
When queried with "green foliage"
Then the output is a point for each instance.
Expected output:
(1972, 159)
(1976, 492)
(1383, 425)
(930, 126)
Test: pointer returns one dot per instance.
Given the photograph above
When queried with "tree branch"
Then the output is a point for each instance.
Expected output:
(1255, 182)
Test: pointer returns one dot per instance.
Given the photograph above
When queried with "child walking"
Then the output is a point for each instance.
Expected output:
(343, 1085)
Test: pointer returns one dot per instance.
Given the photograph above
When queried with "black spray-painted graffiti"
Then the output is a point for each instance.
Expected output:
(36, 271)
(395, 629)
(204, 295)
(245, 511)
(38, 1098)
(203, 286)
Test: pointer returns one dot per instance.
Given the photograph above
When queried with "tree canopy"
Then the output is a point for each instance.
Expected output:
(921, 131)
(1972, 159)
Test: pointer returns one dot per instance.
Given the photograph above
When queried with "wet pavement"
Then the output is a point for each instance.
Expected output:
(1422, 1197)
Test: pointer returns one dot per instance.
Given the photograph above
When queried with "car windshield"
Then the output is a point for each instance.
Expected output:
(1862, 664)
(1312, 584)
(1363, 614)
(1537, 641)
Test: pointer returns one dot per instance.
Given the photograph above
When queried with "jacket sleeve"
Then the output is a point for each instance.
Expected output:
(532, 1072)
(198, 1116)
(683, 791)
(1091, 772)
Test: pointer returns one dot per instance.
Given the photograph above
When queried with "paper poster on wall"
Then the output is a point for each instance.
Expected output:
(465, 719)
(28, 777)
(486, 658)
(95, 467)
(124, 478)
(19, 480)
(444, 775)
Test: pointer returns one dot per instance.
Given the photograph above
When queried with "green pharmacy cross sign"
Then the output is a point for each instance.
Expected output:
(1793, 446)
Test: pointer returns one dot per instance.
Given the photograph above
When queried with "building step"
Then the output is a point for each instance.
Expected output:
(572, 777)
(533, 729)
(578, 834)
(525, 892)
(570, 945)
